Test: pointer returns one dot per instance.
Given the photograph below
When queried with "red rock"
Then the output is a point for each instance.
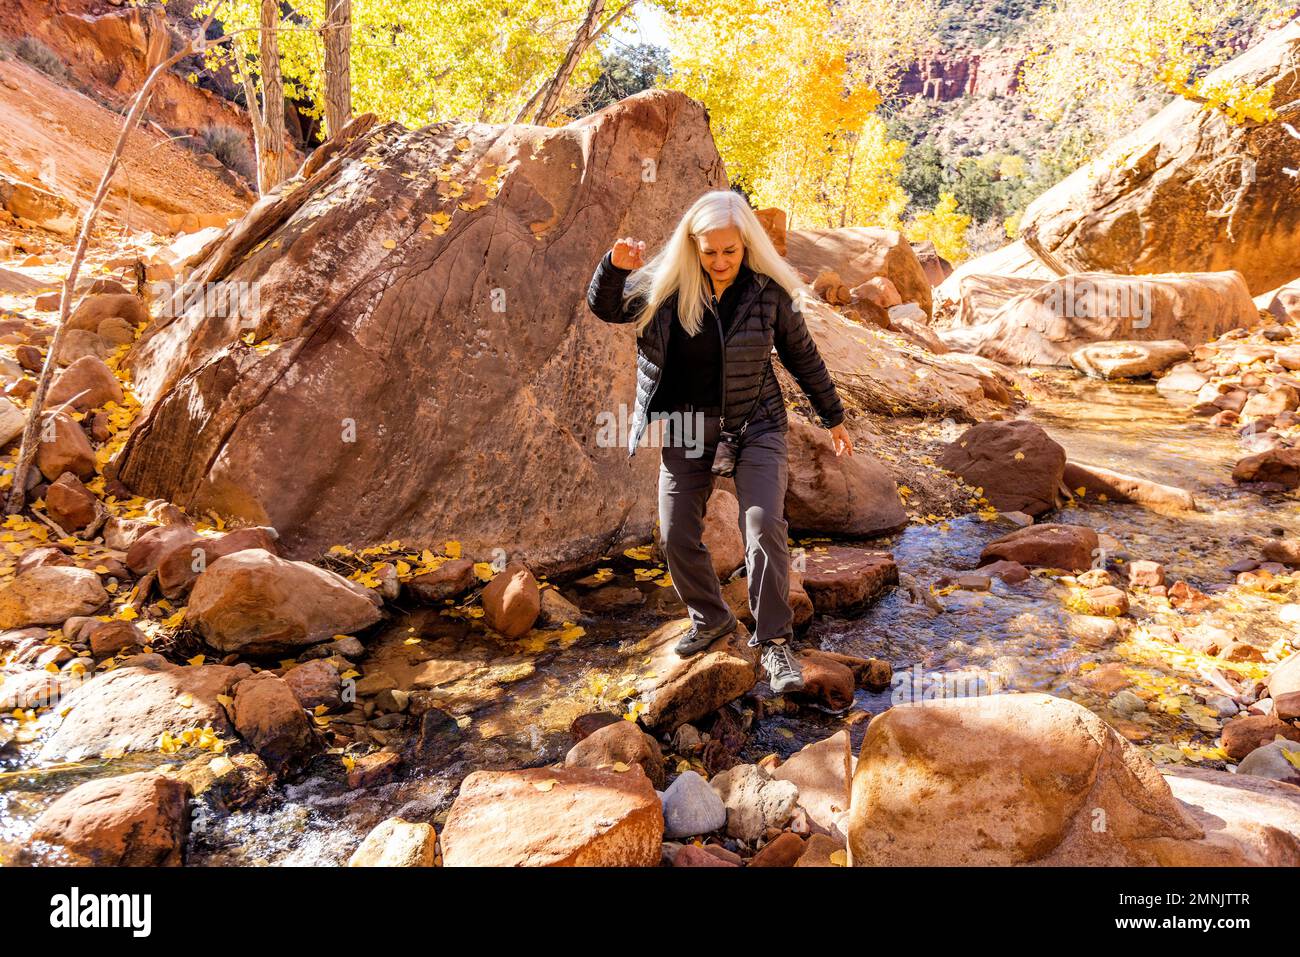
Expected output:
(782, 851)
(63, 447)
(315, 683)
(269, 718)
(45, 555)
(837, 495)
(190, 383)
(678, 690)
(1013, 573)
(844, 579)
(860, 253)
(511, 602)
(133, 820)
(374, 769)
(109, 638)
(565, 817)
(1274, 465)
(822, 772)
(1068, 547)
(870, 673)
(181, 564)
(621, 742)
(1117, 487)
(50, 595)
(1006, 779)
(1271, 403)
(94, 309)
(1184, 597)
(144, 553)
(255, 603)
(129, 708)
(70, 504)
(1243, 735)
(451, 579)
(1146, 574)
(1015, 462)
(1106, 600)
(85, 384)
(827, 682)
(692, 856)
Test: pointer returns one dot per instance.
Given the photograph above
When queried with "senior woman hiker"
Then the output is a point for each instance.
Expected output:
(707, 309)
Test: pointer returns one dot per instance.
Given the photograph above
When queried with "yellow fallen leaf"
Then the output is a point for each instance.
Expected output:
(840, 858)
(546, 785)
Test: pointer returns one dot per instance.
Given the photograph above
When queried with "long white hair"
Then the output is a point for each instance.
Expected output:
(676, 267)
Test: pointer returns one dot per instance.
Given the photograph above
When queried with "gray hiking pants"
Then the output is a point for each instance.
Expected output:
(685, 483)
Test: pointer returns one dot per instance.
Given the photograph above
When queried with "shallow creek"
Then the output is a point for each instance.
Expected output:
(516, 703)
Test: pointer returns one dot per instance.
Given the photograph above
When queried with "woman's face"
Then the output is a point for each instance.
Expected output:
(721, 251)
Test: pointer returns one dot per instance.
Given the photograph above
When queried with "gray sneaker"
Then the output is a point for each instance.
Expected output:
(696, 640)
(783, 672)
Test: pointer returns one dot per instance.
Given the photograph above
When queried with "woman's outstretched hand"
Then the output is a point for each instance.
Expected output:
(841, 441)
(628, 253)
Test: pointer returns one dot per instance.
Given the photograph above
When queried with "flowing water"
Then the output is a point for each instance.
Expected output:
(520, 701)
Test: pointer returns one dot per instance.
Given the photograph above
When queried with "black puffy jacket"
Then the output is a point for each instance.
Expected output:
(765, 317)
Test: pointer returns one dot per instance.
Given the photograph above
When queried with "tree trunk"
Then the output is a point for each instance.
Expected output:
(550, 93)
(271, 158)
(338, 65)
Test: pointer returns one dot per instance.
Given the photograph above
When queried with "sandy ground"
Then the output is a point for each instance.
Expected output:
(56, 137)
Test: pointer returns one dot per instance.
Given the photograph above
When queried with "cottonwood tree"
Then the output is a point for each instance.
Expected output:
(792, 105)
(1106, 65)
(337, 35)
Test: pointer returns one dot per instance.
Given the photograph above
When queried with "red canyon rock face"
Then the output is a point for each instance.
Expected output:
(113, 47)
(420, 345)
(952, 74)
(1145, 205)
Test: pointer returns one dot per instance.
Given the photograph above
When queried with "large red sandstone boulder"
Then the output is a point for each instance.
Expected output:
(1002, 780)
(256, 603)
(857, 254)
(1046, 325)
(422, 344)
(838, 495)
(1017, 464)
(132, 820)
(1188, 190)
(554, 817)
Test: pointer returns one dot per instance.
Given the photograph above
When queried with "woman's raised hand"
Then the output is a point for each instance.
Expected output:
(628, 253)
(840, 440)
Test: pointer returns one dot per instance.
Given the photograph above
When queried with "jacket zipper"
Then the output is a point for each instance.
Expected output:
(735, 324)
(722, 341)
